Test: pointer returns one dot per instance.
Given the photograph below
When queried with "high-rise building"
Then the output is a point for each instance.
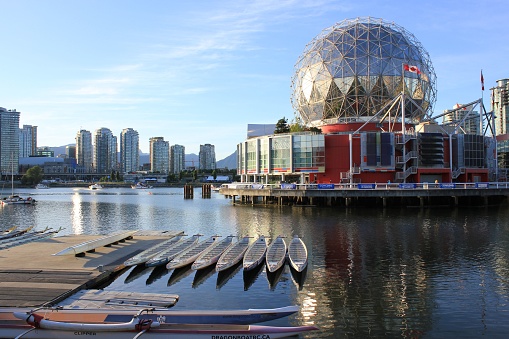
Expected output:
(105, 151)
(207, 157)
(500, 106)
(159, 155)
(27, 141)
(177, 159)
(471, 122)
(84, 150)
(129, 150)
(70, 152)
(9, 141)
(45, 152)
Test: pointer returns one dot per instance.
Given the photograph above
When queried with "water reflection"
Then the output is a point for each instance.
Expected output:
(406, 273)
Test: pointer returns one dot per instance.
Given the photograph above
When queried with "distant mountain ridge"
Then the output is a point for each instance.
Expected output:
(230, 162)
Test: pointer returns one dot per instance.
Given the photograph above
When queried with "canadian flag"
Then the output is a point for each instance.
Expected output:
(410, 68)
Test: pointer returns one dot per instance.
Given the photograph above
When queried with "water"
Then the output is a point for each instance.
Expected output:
(409, 273)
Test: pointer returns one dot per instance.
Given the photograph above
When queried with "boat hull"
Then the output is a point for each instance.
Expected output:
(255, 254)
(174, 331)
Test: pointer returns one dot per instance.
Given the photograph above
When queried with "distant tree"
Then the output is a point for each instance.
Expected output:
(113, 177)
(33, 176)
(214, 174)
(282, 126)
(195, 175)
(315, 129)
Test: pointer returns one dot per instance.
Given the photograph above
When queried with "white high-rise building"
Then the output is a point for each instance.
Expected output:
(500, 106)
(9, 141)
(159, 155)
(471, 122)
(129, 150)
(207, 157)
(177, 159)
(27, 141)
(84, 150)
(105, 151)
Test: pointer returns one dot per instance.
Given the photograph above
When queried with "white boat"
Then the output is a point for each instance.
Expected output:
(233, 255)
(189, 255)
(162, 258)
(211, 255)
(95, 186)
(15, 199)
(140, 185)
(276, 254)
(229, 316)
(297, 254)
(149, 253)
(91, 245)
(41, 186)
(38, 327)
(255, 254)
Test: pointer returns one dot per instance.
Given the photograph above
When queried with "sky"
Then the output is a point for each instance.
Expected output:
(198, 72)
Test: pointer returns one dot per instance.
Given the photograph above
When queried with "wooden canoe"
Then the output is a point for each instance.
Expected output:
(144, 256)
(276, 254)
(211, 255)
(188, 256)
(232, 255)
(255, 254)
(162, 258)
(297, 254)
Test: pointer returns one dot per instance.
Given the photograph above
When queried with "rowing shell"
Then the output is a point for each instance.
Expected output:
(297, 254)
(37, 327)
(255, 254)
(276, 254)
(232, 255)
(211, 255)
(232, 317)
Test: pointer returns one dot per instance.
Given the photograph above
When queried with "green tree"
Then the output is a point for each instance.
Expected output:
(33, 176)
(113, 177)
(282, 126)
(214, 174)
(195, 175)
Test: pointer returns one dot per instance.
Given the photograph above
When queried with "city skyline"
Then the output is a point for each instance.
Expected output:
(200, 72)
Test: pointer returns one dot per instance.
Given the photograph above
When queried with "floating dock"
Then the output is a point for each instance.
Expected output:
(31, 276)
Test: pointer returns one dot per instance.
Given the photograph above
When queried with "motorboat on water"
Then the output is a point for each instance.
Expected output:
(95, 186)
(41, 186)
(17, 200)
(140, 186)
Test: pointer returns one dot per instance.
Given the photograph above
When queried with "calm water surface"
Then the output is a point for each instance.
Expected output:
(406, 273)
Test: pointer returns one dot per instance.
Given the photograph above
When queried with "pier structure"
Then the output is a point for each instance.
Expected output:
(367, 194)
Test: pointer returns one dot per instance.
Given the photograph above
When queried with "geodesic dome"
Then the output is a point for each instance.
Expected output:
(351, 70)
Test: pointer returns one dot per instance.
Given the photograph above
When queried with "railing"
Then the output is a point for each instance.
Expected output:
(407, 173)
(404, 158)
(373, 186)
(399, 138)
(456, 173)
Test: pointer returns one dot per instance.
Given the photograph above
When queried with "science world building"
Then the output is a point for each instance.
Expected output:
(370, 87)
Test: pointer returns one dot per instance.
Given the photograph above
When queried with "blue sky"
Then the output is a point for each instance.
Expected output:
(197, 72)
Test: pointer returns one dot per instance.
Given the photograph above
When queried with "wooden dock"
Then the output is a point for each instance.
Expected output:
(30, 276)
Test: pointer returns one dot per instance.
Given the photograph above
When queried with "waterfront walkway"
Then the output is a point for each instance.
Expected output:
(30, 275)
(382, 194)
